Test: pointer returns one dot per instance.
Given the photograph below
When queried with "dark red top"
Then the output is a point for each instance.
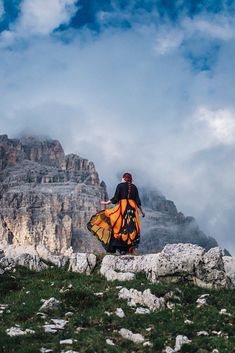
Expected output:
(122, 193)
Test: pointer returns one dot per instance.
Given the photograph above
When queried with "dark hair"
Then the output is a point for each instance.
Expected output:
(128, 178)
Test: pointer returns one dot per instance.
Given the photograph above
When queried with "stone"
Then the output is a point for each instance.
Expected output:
(202, 333)
(145, 298)
(45, 350)
(229, 266)
(50, 304)
(176, 262)
(82, 263)
(17, 331)
(108, 313)
(67, 341)
(99, 294)
(142, 311)
(120, 313)
(41, 315)
(224, 312)
(148, 329)
(110, 342)
(30, 261)
(49, 328)
(59, 323)
(147, 344)
(201, 302)
(189, 322)
(179, 341)
(129, 335)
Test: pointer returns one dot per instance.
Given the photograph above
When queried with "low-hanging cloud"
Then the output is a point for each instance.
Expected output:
(133, 100)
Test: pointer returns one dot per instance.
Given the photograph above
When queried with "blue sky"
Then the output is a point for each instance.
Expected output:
(144, 86)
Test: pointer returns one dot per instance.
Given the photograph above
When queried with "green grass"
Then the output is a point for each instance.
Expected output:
(96, 326)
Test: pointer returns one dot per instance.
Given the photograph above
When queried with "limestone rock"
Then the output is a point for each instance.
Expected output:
(50, 304)
(32, 262)
(120, 313)
(82, 263)
(145, 298)
(110, 342)
(179, 341)
(142, 311)
(77, 262)
(229, 266)
(45, 350)
(46, 197)
(129, 335)
(58, 324)
(176, 262)
(67, 341)
(17, 331)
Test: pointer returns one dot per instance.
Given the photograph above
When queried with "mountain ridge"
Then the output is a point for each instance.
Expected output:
(47, 197)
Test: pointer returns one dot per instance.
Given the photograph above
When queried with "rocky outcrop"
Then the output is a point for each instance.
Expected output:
(229, 266)
(176, 262)
(75, 262)
(47, 197)
(163, 225)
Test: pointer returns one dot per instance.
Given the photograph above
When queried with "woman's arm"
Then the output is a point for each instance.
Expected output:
(142, 211)
(106, 202)
(138, 202)
(114, 199)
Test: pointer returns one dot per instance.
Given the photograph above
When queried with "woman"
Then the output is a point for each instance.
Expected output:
(118, 228)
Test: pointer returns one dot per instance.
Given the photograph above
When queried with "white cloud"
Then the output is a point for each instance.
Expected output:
(221, 124)
(168, 40)
(217, 27)
(38, 17)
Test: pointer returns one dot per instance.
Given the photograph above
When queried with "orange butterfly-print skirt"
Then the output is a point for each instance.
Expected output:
(121, 222)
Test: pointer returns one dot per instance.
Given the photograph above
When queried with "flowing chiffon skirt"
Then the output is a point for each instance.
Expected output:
(118, 228)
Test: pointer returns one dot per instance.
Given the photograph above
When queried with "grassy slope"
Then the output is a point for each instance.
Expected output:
(89, 313)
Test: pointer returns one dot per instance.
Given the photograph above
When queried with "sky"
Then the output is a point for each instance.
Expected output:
(139, 86)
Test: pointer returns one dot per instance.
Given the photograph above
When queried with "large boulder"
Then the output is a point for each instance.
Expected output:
(39, 259)
(176, 262)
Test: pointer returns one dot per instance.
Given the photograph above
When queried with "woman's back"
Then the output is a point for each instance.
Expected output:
(122, 193)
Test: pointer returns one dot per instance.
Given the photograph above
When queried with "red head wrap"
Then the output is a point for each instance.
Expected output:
(127, 177)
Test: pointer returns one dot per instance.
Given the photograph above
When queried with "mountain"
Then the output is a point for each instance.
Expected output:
(163, 224)
(47, 197)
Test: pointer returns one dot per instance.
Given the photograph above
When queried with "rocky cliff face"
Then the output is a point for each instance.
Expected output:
(46, 197)
(163, 225)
